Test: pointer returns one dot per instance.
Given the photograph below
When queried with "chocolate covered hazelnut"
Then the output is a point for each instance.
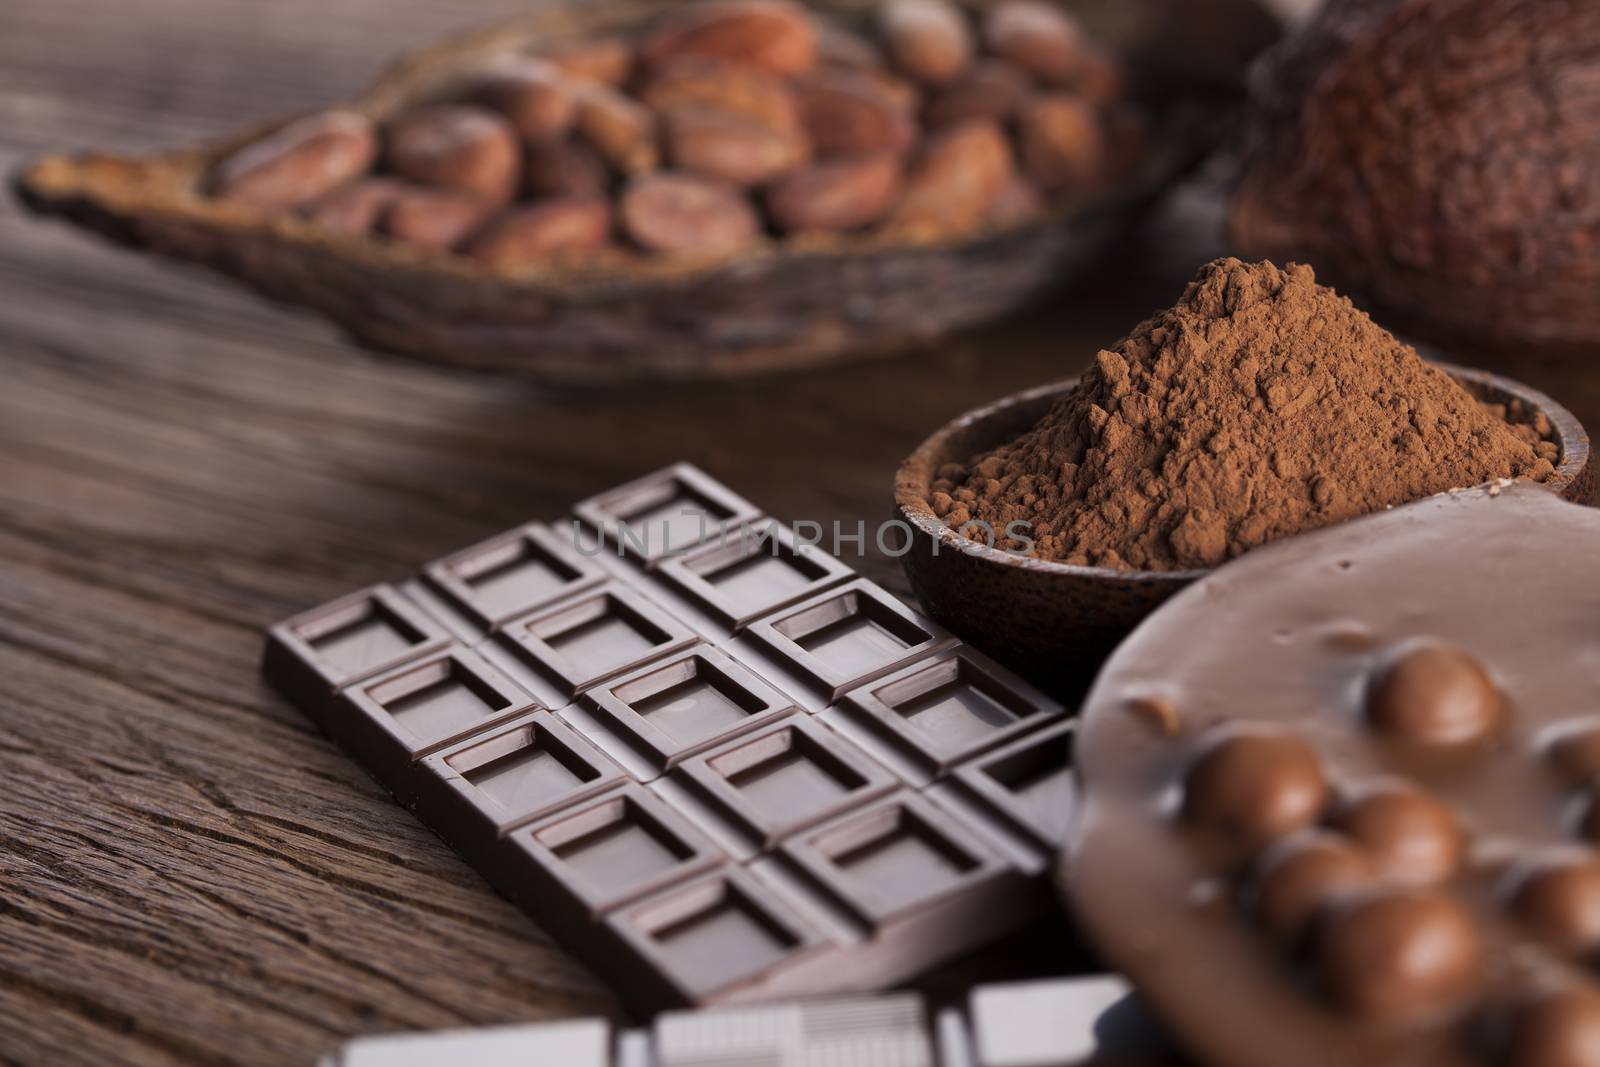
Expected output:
(1556, 1028)
(1250, 784)
(1411, 835)
(463, 148)
(1399, 954)
(1431, 693)
(1556, 897)
(1301, 874)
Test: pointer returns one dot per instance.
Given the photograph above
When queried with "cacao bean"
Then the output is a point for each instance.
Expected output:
(527, 235)
(437, 219)
(704, 82)
(953, 181)
(929, 40)
(533, 95)
(1061, 141)
(1017, 202)
(563, 168)
(297, 164)
(462, 147)
(1038, 37)
(731, 147)
(620, 128)
(603, 60)
(994, 89)
(354, 208)
(770, 34)
(685, 214)
(846, 112)
(837, 195)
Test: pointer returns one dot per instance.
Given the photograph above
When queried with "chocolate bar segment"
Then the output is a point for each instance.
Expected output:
(512, 574)
(668, 759)
(666, 512)
(658, 715)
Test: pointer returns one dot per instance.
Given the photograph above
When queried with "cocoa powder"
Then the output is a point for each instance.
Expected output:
(1259, 406)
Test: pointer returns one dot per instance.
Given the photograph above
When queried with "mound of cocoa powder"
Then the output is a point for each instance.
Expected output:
(1259, 406)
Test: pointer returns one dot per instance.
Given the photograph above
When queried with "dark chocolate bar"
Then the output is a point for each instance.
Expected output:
(709, 758)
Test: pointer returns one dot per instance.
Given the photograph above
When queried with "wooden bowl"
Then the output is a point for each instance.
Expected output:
(1055, 623)
(608, 320)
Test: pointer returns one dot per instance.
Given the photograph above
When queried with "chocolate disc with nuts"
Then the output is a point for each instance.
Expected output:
(1366, 827)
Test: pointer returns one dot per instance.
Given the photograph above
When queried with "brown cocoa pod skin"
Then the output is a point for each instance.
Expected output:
(848, 112)
(436, 219)
(732, 148)
(955, 178)
(994, 89)
(300, 162)
(772, 35)
(1039, 37)
(683, 214)
(1440, 161)
(354, 208)
(1061, 142)
(928, 40)
(528, 235)
(561, 168)
(735, 88)
(460, 147)
(601, 60)
(533, 95)
(620, 128)
(836, 195)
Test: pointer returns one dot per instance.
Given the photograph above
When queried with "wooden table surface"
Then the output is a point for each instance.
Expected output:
(189, 872)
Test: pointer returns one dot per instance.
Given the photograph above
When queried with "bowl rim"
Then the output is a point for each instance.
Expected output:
(915, 509)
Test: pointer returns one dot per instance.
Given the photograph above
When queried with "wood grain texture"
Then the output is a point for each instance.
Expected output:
(189, 873)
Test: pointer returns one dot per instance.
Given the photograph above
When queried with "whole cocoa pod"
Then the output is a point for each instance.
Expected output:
(840, 194)
(461, 147)
(298, 163)
(770, 34)
(1441, 158)
(527, 235)
(682, 213)
(927, 39)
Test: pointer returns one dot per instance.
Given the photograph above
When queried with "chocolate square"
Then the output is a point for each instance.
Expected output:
(894, 857)
(704, 939)
(666, 512)
(781, 779)
(751, 573)
(429, 703)
(596, 635)
(614, 848)
(846, 637)
(939, 712)
(529, 768)
(670, 710)
(512, 574)
(357, 636)
(1031, 782)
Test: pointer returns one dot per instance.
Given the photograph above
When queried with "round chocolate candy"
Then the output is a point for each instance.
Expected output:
(1303, 874)
(1249, 785)
(1400, 954)
(1556, 896)
(1432, 693)
(1411, 836)
(1555, 1028)
(1367, 649)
